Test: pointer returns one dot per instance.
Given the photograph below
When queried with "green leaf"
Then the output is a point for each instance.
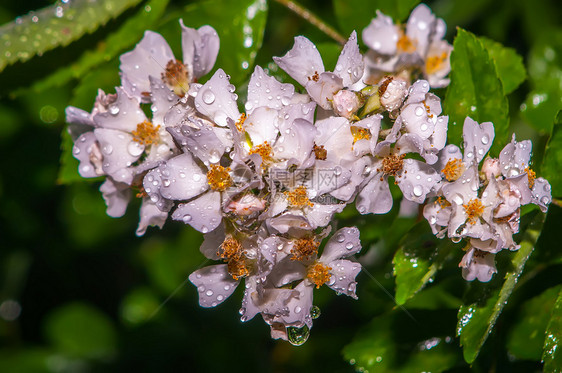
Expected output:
(127, 35)
(54, 26)
(509, 65)
(357, 14)
(80, 330)
(397, 342)
(550, 168)
(526, 338)
(477, 319)
(545, 72)
(419, 257)
(552, 355)
(240, 25)
(475, 90)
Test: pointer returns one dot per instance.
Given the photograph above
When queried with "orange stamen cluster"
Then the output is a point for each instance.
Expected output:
(405, 44)
(298, 197)
(474, 210)
(442, 202)
(264, 150)
(453, 169)
(218, 177)
(434, 63)
(319, 274)
(360, 133)
(531, 175)
(240, 122)
(146, 133)
(314, 77)
(392, 164)
(304, 249)
(176, 77)
(233, 254)
(319, 152)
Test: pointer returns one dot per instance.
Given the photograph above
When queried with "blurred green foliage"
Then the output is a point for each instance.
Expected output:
(80, 293)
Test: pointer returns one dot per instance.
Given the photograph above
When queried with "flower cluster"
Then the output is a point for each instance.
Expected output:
(482, 203)
(263, 184)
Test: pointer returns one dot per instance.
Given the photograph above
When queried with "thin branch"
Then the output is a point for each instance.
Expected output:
(313, 19)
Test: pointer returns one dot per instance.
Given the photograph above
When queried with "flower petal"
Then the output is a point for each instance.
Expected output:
(182, 178)
(150, 215)
(477, 139)
(212, 241)
(265, 90)
(216, 99)
(323, 89)
(541, 194)
(375, 198)
(343, 243)
(381, 35)
(203, 213)
(350, 62)
(117, 159)
(116, 197)
(214, 284)
(149, 58)
(200, 48)
(201, 142)
(302, 62)
(125, 114)
(417, 180)
(343, 276)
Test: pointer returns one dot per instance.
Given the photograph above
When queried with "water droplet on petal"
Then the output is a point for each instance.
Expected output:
(208, 97)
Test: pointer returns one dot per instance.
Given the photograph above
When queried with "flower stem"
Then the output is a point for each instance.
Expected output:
(313, 19)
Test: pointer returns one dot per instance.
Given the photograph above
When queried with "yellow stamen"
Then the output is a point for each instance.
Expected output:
(442, 202)
(360, 133)
(474, 210)
(298, 197)
(392, 164)
(453, 169)
(218, 177)
(304, 249)
(240, 122)
(319, 152)
(531, 175)
(237, 268)
(319, 274)
(405, 44)
(176, 77)
(146, 133)
(230, 248)
(264, 150)
(314, 77)
(434, 63)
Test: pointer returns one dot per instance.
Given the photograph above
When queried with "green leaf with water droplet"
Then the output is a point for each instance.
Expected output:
(419, 257)
(54, 26)
(552, 354)
(357, 14)
(240, 25)
(477, 317)
(79, 330)
(509, 64)
(130, 32)
(527, 335)
(397, 342)
(475, 90)
(550, 168)
(545, 73)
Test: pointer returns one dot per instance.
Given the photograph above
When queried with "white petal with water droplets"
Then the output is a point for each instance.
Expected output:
(214, 284)
(302, 62)
(202, 213)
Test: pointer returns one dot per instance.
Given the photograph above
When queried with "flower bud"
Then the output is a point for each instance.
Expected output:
(392, 93)
(346, 103)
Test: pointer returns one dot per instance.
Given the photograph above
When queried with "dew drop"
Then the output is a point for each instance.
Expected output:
(298, 336)
(208, 97)
(419, 111)
(418, 191)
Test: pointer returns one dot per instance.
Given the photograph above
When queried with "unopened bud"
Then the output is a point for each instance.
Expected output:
(393, 92)
(346, 103)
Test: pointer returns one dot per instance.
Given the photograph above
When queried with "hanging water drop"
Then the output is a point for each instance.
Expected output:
(298, 336)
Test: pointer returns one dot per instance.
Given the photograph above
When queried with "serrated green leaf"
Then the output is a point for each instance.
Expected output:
(526, 338)
(550, 168)
(552, 355)
(545, 72)
(357, 14)
(240, 25)
(509, 65)
(80, 330)
(127, 35)
(419, 257)
(475, 90)
(477, 319)
(395, 342)
(54, 26)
